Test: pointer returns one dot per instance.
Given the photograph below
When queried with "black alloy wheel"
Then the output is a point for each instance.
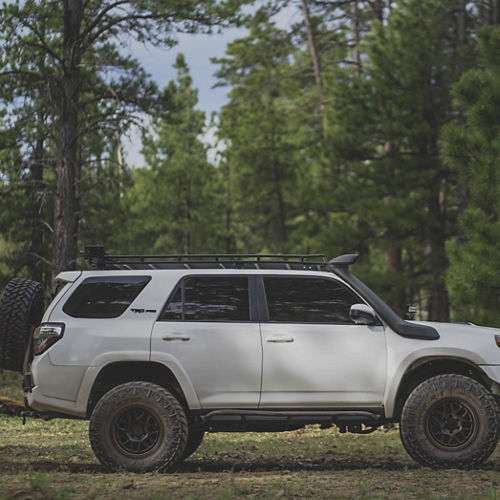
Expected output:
(137, 430)
(450, 420)
(139, 427)
(451, 423)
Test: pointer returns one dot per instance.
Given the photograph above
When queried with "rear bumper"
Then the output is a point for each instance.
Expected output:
(52, 388)
(36, 401)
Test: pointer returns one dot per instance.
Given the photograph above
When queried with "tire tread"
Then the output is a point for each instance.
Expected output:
(414, 439)
(150, 391)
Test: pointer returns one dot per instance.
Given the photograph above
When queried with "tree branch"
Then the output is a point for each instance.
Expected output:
(100, 16)
(115, 22)
(42, 40)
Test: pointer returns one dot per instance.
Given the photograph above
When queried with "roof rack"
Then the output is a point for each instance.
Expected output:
(96, 255)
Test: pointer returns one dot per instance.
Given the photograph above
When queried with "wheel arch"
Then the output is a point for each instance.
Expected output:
(425, 368)
(121, 372)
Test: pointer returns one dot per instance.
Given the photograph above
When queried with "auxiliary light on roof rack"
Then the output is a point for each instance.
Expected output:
(96, 255)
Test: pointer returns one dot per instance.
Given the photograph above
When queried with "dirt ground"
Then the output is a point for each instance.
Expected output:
(54, 460)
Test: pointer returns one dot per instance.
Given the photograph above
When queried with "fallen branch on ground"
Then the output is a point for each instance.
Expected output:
(11, 406)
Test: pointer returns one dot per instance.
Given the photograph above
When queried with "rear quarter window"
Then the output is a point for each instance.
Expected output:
(104, 297)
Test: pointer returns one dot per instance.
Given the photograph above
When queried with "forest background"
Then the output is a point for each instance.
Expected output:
(367, 126)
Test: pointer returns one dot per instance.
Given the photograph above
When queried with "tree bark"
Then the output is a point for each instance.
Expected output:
(439, 308)
(395, 267)
(378, 9)
(316, 66)
(37, 248)
(65, 225)
(355, 35)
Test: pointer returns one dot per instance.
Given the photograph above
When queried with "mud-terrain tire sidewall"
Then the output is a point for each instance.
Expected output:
(161, 406)
(460, 390)
(21, 310)
(195, 437)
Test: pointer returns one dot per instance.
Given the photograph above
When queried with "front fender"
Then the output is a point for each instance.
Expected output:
(396, 373)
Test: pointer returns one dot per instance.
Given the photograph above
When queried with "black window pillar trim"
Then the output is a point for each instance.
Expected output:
(399, 325)
(259, 297)
(254, 298)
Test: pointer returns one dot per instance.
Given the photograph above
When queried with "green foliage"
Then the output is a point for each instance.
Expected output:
(261, 159)
(473, 147)
(68, 92)
(329, 142)
(409, 74)
(171, 203)
(360, 171)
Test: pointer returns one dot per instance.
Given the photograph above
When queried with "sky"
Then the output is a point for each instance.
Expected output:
(198, 49)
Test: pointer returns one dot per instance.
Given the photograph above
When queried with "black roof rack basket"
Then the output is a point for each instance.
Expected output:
(96, 255)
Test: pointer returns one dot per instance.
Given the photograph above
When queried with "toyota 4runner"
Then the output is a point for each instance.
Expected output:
(158, 350)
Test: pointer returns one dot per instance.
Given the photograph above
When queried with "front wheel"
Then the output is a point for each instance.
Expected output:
(139, 427)
(450, 421)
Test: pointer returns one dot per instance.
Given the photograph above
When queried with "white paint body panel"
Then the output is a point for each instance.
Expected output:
(324, 366)
(224, 364)
(222, 360)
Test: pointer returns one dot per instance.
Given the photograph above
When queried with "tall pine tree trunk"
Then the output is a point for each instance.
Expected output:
(439, 309)
(37, 247)
(65, 226)
(316, 66)
(378, 9)
(355, 35)
(395, 267)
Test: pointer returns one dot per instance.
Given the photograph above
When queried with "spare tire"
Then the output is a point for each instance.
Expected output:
(21, 310)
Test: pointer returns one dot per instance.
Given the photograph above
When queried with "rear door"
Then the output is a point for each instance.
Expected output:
(209, 326)
(313, 354)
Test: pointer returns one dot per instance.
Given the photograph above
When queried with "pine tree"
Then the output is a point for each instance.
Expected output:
(171, 203)
(260, 129)
(473, 147)
(78, 42)
(412, 62)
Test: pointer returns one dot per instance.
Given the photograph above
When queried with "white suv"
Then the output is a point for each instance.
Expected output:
(158, 350)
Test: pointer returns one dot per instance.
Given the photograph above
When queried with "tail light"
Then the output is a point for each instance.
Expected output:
(46, 336)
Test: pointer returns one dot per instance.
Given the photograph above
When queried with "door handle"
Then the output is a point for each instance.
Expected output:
(279, 340)
(169, 338)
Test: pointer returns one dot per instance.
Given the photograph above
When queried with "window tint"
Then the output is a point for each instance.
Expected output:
(308, 300)
(106, 297)
(209, 298)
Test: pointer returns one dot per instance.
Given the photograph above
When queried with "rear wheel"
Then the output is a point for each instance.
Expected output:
(139, 427)
(21, 310)
(450, 421)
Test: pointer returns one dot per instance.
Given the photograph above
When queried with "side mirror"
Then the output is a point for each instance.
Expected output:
(362, 314)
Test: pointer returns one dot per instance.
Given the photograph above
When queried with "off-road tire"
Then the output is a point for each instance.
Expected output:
(21, 310)
(138, 427)
(195, 437)
(450, 421)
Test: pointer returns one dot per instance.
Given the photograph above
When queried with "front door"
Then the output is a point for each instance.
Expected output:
(206, 328)
(313, 354)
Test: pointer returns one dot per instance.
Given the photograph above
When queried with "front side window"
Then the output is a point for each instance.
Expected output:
(104, 297)
(308, 300)
(207, 298)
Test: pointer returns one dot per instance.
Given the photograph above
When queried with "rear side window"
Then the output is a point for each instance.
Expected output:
(309, 300)
(207, 298)
(104, 297)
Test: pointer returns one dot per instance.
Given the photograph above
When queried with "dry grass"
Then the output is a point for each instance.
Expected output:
(53, 460)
